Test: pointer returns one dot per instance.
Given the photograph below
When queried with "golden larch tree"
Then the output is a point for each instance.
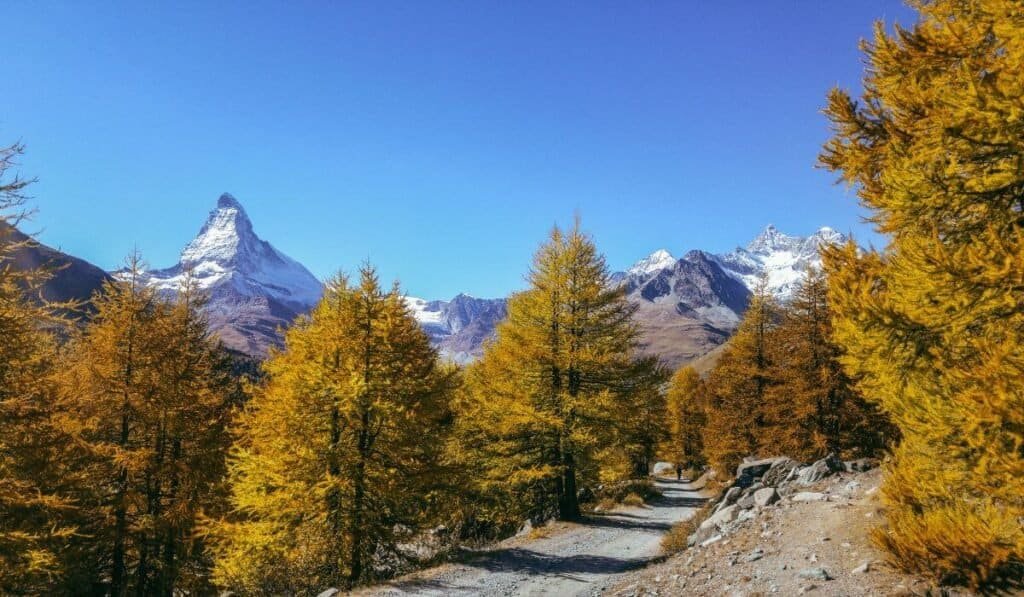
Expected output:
(933, 326)
(687, 416)
(812, 408)
(551, 390)
(35, 521)
(738, 384)
(338, 453)
(145, 394)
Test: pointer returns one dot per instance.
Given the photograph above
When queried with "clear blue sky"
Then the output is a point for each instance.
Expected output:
(441, 140)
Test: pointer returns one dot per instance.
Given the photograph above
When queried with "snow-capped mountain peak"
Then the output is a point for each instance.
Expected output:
(655, 262)
(784, 259)
(244, 275)
(771, 240)
(226, 234)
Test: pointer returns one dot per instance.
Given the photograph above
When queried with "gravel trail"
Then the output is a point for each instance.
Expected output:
(579, 558)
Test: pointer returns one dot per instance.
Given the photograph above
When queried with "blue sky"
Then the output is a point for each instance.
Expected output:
(440, 140)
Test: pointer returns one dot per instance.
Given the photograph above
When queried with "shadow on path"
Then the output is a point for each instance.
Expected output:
(518, 559)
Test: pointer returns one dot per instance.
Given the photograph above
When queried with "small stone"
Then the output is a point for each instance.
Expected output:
(806, 589)
(754, 555)
(863, 568)
(329, 593)
(809, 496)
(814, 574)
(846, 545)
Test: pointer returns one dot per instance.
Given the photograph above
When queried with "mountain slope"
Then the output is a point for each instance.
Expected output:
(253, 288)
(688, 309)
(459, 327)
(73, 279)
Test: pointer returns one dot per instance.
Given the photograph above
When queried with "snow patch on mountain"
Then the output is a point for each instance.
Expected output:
(655, 262)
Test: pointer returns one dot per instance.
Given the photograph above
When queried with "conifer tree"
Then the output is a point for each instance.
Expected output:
(933, 327)
(338, 453)
(35, 522)
(554, 387)
(738, 384)
(812, 408)
(687, 412)
(146, 396)
(640, 435)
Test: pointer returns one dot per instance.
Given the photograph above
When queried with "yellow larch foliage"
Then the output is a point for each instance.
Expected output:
(145, 396)
(557, 386)
(933, 326)
(35, 521)
(338, 453)
(687, 415)
(812, 408)
(738, 384)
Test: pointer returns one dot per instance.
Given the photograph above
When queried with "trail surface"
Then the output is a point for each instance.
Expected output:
(575, 559)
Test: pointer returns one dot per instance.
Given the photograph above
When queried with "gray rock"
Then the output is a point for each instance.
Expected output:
(779, 472)
(722, 518)
(746, 502)
(814, 574)
(860, 465)
(748, 472)
(730, 497)
(754, 555)
(863, 568)
(765, 497)
(329, 593)
(820, 469)
(809, 496)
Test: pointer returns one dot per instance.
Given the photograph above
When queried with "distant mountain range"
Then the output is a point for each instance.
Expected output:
(686, 307)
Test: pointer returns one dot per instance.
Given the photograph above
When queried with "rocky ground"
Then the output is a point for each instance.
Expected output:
(789, 531)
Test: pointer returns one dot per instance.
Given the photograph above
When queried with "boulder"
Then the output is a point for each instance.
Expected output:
(765, 497)
(819, 470)
(722, 517)
(748, 472)
(730, 497)
(746, 502)
(329, 593)
(779, 472)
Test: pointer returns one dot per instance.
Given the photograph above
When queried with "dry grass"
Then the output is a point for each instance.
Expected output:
(632, 499)
(676, 539)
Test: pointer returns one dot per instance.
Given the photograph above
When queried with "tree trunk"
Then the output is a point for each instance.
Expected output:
(117, 573)
(569, 507)
(356, 559)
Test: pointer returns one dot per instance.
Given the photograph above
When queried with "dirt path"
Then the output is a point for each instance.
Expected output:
(575, 559)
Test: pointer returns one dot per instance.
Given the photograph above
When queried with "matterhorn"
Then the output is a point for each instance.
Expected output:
(254, 290)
